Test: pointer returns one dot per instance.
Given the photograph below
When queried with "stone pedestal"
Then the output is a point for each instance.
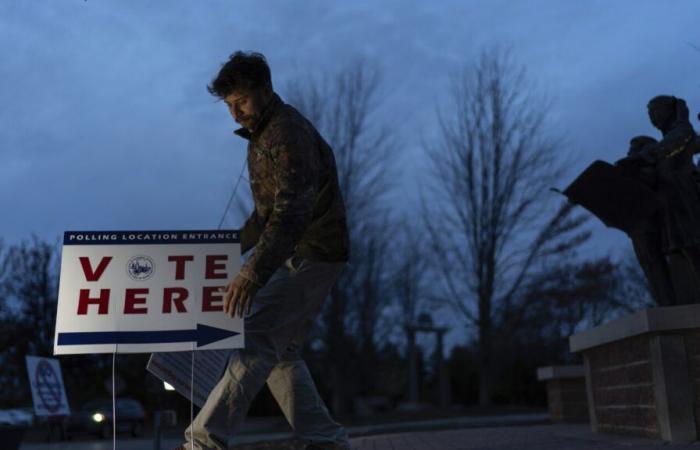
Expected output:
(566, 393)
(643, 373)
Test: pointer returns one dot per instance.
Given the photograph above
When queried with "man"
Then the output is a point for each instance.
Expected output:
(299, 232)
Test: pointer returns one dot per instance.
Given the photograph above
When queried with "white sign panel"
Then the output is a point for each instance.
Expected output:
(176, 370)
(146, 291)
(46, 382)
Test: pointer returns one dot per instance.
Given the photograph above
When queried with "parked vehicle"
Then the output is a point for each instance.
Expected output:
(96, 417)
(13, 424)
(18, 417)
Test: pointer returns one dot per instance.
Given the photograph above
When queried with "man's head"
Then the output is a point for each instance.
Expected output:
(245, 85)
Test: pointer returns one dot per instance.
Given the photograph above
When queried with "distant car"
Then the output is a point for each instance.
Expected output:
(96, 417)
(16, 417)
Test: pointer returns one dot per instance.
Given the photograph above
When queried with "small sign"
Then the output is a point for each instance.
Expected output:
(146, 291)
(46, 382)
(176, 370)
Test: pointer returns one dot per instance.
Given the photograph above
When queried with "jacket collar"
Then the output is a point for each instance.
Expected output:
(267, 113)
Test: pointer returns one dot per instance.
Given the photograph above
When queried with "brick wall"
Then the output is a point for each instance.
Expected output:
(622, 384)
(692, 348)
(566, 399)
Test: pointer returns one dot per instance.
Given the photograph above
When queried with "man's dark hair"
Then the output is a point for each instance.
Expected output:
(243, 70)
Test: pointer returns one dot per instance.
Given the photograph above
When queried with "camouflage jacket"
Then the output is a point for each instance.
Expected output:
(299, 210)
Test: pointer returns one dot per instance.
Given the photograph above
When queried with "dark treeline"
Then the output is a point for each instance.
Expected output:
(495, 258)
(563, 300)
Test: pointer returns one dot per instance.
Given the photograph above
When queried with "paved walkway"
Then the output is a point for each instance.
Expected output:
(538, 437)
(533, 437)
(254, 431)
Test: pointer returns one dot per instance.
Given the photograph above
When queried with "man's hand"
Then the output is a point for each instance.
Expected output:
(239, 296)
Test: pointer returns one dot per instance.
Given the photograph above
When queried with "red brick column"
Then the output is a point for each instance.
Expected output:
(692, 346)
(566, 393)
(643, 373)
(621, 384)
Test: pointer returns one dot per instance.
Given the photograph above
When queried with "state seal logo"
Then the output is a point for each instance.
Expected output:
(140, 268)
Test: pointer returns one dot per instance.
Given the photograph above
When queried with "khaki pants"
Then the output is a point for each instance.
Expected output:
(283, 312)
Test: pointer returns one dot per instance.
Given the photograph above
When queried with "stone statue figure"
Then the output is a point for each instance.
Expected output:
(678, 190)
(646, 236)
(653, 195)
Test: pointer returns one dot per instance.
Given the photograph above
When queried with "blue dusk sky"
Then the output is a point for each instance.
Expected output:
(105, 122)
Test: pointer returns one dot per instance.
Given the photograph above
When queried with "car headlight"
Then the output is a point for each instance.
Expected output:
(98, 417)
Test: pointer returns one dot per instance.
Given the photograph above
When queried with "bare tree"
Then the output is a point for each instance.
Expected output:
(31, 280)
(408, 274)
(28, 290)
(490, 214)
(564, 298)
(344, 106)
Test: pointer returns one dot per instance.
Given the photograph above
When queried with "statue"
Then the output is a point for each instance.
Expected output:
(646, 237)
(679, 191)
(653, 195)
